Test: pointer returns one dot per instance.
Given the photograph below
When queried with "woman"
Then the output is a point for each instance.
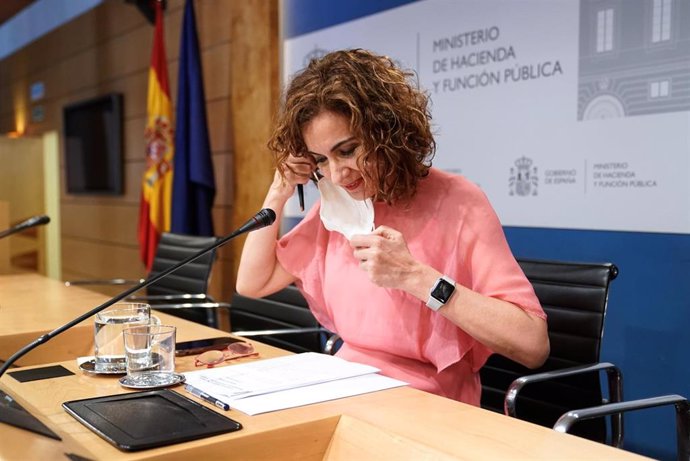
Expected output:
(434, 289)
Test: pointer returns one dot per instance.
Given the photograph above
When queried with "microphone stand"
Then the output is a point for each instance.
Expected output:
(263, 218)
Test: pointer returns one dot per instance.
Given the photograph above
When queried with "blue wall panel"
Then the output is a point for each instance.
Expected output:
(304, 16)
(647, 320)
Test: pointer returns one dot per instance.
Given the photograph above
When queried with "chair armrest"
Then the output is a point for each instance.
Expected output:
(103, 282)
(517, 385)
(329, 347)
(179, 301)
(566, 421)
(192, 305)
(615, 387)
(174, 297)
(278, 331)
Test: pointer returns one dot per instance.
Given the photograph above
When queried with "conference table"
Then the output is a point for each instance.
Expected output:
(31, 305)
(399, 423)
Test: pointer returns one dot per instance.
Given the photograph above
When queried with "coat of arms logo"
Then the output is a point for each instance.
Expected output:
(523, 177)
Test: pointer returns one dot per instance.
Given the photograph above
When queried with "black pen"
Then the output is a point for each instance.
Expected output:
(300, 195)
(205, 397)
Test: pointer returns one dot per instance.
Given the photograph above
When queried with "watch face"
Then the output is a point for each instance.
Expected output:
(443, 290)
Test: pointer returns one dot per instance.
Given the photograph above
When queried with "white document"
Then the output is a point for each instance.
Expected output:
(286, 382)
(316, 393)
(235, 382)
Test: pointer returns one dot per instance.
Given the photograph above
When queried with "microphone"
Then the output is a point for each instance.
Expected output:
(31, 222)
(263, 218)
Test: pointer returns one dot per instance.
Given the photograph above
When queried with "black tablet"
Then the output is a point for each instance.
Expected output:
(142, 420)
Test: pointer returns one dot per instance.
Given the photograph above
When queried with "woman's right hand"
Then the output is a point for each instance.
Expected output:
(297, 170)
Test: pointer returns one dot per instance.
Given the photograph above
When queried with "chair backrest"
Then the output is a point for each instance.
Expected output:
(192, 278)
(285, 309)
(574, 297)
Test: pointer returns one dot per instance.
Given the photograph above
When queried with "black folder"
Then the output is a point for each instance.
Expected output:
(141, 420)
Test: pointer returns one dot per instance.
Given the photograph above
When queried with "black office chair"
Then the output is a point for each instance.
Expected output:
(184, 292)
(282, 319)
(682, 406)
(574, 297)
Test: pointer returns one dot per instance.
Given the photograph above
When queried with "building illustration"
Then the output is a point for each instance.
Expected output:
(634, 58)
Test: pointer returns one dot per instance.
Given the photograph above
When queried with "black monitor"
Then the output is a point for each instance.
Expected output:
(93, 145)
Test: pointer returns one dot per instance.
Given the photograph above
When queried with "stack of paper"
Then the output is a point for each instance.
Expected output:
(286, 382)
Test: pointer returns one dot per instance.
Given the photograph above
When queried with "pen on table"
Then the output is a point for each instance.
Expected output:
(204, 396)
(300, 195)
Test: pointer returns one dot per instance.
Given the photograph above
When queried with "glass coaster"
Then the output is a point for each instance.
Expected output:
(90, 367)
(152, 380)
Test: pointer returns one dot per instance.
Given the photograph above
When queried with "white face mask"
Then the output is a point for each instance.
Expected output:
(342, 213)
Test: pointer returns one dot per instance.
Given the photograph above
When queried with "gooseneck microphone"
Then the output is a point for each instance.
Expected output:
(263, 218)
(31, 222)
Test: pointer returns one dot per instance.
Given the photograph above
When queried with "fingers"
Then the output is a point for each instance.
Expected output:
(362, 253)
(298, 169)
(301, 163)
(297, 174)
(386, 232)
(383, 255)
(381, 232)
(368, 246)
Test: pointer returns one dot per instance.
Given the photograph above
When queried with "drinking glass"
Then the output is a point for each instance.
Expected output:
(150, 356)
(108, 326)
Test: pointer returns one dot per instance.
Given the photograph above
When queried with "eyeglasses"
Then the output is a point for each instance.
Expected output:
(234, 351)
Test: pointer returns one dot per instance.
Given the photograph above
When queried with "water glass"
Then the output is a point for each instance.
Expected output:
(109, 323)
(150, 356)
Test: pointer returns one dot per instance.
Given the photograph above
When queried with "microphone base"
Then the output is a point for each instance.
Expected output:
(15, 415)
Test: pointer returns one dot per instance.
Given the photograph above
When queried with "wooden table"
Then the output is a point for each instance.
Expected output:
(32, 305)
(401, 423)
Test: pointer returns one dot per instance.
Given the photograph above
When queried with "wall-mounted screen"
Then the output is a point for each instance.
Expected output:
(93, 145)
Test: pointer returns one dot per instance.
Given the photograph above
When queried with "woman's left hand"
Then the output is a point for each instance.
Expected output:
(384, 255)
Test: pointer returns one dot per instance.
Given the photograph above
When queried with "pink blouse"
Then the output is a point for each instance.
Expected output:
(450, 226)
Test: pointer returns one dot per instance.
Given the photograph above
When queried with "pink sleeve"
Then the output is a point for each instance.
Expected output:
(296, 249)
(489, 260)
(491, 266)
(301, 252)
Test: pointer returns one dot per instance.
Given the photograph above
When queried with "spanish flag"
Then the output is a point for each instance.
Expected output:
(156, 186)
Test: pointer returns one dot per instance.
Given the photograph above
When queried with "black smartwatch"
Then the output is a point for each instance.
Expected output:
(441, 292)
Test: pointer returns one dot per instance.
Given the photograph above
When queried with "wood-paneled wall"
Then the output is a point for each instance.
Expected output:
(22, 191)
(108, 49)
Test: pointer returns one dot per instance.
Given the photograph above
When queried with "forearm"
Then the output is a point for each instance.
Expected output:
(501, 326)
(259, 272)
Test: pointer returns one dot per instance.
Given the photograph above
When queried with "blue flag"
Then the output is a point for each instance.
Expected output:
(194, 186)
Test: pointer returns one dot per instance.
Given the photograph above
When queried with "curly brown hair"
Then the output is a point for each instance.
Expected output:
(388, 113)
